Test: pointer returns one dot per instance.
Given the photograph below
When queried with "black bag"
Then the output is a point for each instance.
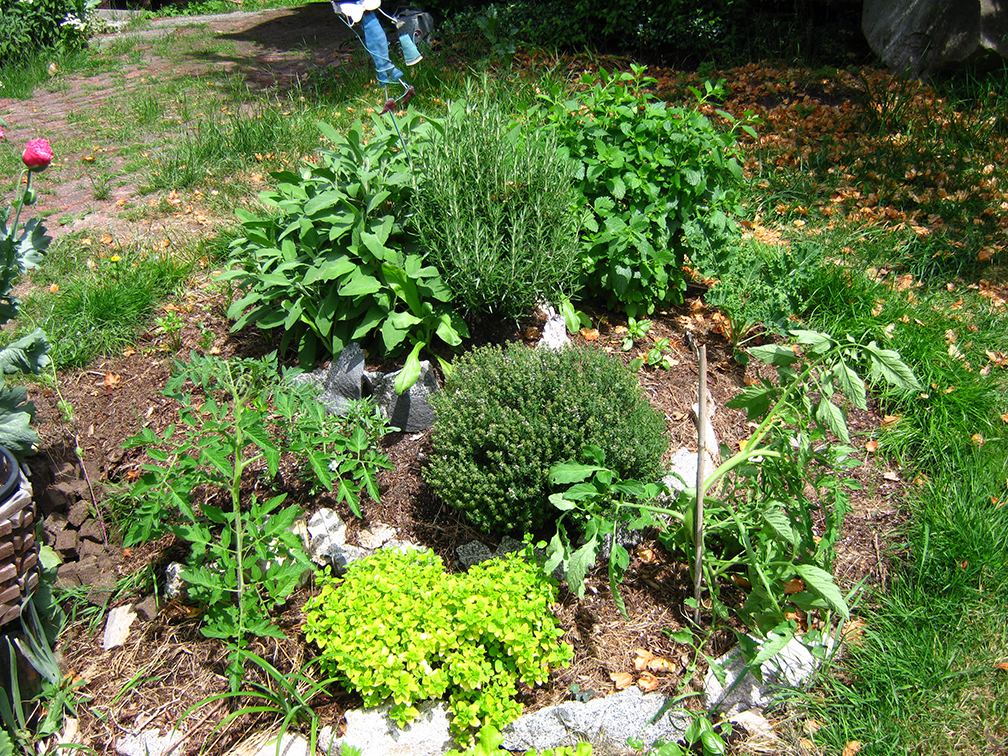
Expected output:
(417, 24)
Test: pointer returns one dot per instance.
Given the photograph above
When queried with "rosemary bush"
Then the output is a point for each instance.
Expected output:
(495, 211)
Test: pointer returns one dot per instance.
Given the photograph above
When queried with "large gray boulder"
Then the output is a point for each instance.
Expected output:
(925, 36)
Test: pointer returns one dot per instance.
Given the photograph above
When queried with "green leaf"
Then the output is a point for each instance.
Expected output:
(583, 560)
(564, 473)
(411, 370)
(780, 524)
(821, 582)
(327, 270)
(29, 354)
(832, 417)
(820, 343)
(850, 384)
(774, 354)
(360, 284)
(887, 364)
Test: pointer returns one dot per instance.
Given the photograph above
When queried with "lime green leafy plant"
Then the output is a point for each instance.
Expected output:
(397, 626)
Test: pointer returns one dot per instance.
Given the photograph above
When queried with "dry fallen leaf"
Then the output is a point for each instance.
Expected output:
(977, 439)
(890, 420)
(647, 556)
(111, 380)
(641, 660)
(622, 680)
(1003, 666)
(590, 334)
(853, 632)
(871, 446)
(647, 682)
(660, 666)
(890, 476)
(852, 748)
(794, 585)
(53, 288)
(741, 581)
(1004, 417)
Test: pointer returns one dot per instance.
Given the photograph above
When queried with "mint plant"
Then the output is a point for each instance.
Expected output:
(334, 263)
(397, 626)
(661, 184)
(772, 511)
(243, 559)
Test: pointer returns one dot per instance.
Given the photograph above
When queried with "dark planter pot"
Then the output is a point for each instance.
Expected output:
(19, 562)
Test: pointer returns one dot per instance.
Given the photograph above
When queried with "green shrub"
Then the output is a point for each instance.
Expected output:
(397, 626)
(506, 416)
(335, 265)
(662, 184)
(496, 210)
(763, 285)
(27, 26)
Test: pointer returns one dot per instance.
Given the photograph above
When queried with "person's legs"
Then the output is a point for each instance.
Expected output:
(377, 45)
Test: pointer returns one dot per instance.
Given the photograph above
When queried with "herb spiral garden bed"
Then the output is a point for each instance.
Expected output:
(166, 665)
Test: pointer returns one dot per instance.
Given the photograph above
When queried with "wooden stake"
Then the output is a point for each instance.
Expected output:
(698, 532)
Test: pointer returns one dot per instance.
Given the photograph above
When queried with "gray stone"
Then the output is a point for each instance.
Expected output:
(345, 381)
(410, 411)
(149, 743)
(92, 531)
(175, 586)
(90, 548)
(146, 609)
(508, 545)
(682, 471)
(473, 553)
(67, 542)
(117, 626)
(604, 722)
(791, 667)
(375, 734)
(926, 36)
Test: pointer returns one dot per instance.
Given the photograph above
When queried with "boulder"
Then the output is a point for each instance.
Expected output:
(926, 36)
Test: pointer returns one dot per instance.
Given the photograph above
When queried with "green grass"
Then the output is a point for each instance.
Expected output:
(102, 300)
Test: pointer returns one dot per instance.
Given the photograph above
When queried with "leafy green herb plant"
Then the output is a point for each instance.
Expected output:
(334, 263)
(661, 183)
(396, 626)
(244, 559)
(637, 330)
(496, 210)
(506, 416)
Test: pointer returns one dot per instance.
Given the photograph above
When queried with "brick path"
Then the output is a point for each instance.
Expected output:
(272, 49)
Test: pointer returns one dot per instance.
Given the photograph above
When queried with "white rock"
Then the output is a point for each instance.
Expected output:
(117, 626)
(375, 734)
(792, 667)
(377, 536)
(149, 743)
(554, 335)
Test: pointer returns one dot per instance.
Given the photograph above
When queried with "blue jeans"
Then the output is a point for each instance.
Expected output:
(377, 45)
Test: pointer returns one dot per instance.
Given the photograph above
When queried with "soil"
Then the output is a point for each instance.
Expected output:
(166, 666)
